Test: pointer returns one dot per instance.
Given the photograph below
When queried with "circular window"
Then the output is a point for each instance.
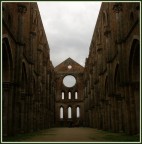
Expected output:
(69, 81)
(69, 66)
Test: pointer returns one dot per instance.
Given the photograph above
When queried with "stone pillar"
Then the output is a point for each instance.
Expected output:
(132, 111)
(113, 114)
(120, 114)
(18, 63)
(127, 119)
(7, 119)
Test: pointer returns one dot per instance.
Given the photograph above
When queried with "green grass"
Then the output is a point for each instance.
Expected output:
(121, 138)
(107, 136)
(96, 136)
(24, 136)
(20, 137)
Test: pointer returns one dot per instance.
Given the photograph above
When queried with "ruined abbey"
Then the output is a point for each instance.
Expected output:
(106, 94)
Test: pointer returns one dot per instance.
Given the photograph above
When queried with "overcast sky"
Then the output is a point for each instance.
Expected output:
(69, 27)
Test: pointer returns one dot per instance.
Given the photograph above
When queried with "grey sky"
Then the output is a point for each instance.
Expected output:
(69, 27)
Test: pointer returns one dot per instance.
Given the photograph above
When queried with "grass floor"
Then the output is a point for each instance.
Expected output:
(106, 136)
(95, 136)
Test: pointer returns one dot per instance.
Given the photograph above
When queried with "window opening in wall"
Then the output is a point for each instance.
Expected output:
(78, 112)
(69, 95)
(69, 81)
(69, 67)
(69, 112)
(61, 112)
(63, 95)
(76, 95)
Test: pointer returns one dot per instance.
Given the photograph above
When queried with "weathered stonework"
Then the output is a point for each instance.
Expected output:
(61, 71)
(107, 89)
(28, 74)
(112, 70)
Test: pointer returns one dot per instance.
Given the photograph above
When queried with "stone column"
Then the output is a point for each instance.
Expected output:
(132, 111)
(7, 118)
(19, 53)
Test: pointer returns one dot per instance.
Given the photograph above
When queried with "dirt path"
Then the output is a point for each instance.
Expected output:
(63, 134)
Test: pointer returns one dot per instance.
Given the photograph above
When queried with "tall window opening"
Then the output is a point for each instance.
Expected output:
(69, 95)
(63, 95)
(69, 112)
(76, 95)
(78, 112)
(61, 112)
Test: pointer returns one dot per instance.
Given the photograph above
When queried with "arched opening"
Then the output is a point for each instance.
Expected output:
(61, 112)
(98, 36)
(7, 97)
(6, 61)
(63, 95)
(69, 112)
(134, 62)
(69, 95)
(105, 18)
(134, 75)
(22, 108)
(76, 95)
(78, 112)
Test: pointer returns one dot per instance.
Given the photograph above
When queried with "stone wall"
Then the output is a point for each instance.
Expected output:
(28, 74)
(67, 68)
(108, 88)
(112, 70)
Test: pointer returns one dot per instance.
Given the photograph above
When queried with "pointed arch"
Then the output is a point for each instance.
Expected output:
(78, 111)
(61, 112)
(134, 61)
(134, 76)
(63, 95)
(69, 95)
(105, 18)
(69, 112)
(7, 61)
(76, 95)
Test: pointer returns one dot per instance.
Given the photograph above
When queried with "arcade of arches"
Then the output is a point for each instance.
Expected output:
(105, 94)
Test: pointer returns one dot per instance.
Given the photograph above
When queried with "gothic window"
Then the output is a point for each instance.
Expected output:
(7, 63)
(35, 19)
(69, 112)
(63, 95)
(134, 61)
(69, 81)
(69, 95)
(105, 18)
(76, 95)
(61, 112)
(78, 112)
(98, 36)
(69, 67)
